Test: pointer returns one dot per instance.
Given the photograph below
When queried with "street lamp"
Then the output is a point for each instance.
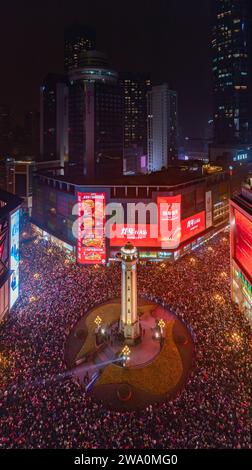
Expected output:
(98, 321)
(161, 324)
(125, 353)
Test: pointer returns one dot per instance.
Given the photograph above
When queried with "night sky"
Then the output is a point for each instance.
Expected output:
(167, 38)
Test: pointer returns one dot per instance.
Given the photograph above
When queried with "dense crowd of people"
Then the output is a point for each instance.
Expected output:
(43, 406)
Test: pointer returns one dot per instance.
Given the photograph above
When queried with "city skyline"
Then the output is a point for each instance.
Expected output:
(145, 49)
(126, 231)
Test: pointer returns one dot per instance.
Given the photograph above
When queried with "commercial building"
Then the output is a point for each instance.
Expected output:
(227, 155)
(95, 118)
(232, 71)
(199, 205)
(54, 118)
(135, 88)
(241, 248)
(162, 127)
(9, 251)
(16, 177)
(32, 133)
(78, 39)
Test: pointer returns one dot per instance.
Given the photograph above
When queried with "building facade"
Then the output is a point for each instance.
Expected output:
(95, 118)
(54, 119)
(9, 251)
(241, 249)
(232, 71)
(135, 88)
(162, 127)
(200, 204)
(78, 39)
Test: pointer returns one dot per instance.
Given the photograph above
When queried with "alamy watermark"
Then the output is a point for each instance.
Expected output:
(160, 223)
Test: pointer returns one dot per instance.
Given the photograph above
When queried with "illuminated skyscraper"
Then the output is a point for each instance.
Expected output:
(54, 118)
(78, 40)
(135, 88)
(95, 118)
(162, 127)
(232, 71)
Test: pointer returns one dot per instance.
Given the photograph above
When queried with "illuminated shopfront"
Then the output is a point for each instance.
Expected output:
(241, 250)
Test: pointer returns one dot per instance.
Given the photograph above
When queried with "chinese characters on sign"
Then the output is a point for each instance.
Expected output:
(91, 246)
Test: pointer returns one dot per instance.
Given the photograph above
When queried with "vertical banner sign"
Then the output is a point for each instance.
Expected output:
(14, 257)
(243, 242)
(169, 208)
(91, 243)
(209, 217)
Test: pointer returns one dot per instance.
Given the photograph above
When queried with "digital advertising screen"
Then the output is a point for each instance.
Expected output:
(170, 231)
(169, 211)
(14, 256)
(243, 242)
(91, 243)
(139, 235)
(192, 226)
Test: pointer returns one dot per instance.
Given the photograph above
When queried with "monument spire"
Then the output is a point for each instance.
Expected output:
(129, 321)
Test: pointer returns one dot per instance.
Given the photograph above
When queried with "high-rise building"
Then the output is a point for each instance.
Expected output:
(78, 39)
(5, 130)
(232, 71)
(241, 248)
(54, 118)
(162, 127)
(135, 88)
(95, 118)
(31, 128)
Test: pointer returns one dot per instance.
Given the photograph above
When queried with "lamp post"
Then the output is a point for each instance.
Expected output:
(125, 353)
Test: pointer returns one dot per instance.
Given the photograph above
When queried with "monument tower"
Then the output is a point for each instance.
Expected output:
(129, 321)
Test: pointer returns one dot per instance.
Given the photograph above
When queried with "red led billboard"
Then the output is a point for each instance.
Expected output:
(140, 235)
(192, 226)
(243, 242)
(91, 246)
(169, 232)
(169, 212)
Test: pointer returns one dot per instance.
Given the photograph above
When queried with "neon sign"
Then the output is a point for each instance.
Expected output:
(14, 257)
(91, 246)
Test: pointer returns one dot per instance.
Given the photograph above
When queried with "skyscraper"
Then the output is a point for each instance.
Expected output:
(78, 39)
(135, 88)
(162, 127)
(31, 128)
(54, 118)
(232, 71)
(95, 118)
(5, 130)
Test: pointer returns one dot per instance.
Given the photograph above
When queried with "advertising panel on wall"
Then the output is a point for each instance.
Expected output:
(164, 234)
(242, 242)
(192, 226)
(169, 210)
(14, 257)
(139, 235)
(91, 243)
(170, 232)
(209, 215)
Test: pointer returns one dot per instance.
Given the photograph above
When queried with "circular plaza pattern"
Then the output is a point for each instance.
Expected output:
(157, 369)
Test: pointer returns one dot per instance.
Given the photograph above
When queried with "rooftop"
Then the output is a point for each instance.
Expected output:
(9, 202)
(170, 177)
